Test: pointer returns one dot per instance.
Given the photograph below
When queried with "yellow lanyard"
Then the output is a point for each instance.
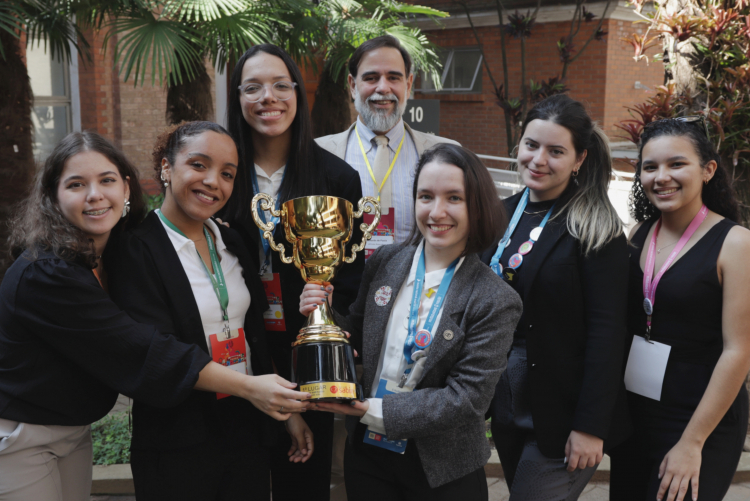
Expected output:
(367, 162)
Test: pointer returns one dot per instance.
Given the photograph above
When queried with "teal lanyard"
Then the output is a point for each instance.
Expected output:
(217, 281)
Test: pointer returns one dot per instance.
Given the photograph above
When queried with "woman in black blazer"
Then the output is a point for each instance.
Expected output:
(208, 447)
(561, 402)
(269, 118)
(66, 349)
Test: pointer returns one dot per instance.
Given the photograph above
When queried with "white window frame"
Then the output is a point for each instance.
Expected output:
(446, 69)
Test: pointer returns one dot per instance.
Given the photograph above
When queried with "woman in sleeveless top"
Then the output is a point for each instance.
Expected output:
(689, 436)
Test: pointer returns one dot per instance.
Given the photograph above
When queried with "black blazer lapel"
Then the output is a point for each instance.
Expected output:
(176, 283)
(553, 231)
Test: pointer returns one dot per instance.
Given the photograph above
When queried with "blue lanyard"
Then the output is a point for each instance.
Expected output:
(423, 339)
(526, 247)
(262, 214)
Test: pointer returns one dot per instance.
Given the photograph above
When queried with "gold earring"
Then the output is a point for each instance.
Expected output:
(575, 173)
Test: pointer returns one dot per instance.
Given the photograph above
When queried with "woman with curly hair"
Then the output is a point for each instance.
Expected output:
(195, 279)
(66, 349)
(690, 319)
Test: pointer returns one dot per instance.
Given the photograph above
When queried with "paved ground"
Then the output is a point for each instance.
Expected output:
(600, 491)
(499, 492)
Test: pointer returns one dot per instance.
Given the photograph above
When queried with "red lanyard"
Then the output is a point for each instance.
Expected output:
(649, 285)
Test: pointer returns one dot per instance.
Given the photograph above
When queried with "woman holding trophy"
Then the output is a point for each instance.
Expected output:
(435, 325)
(187, 275)
(268, 117)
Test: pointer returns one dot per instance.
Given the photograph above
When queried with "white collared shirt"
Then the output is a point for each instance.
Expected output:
(392, 363)
(203, 290)
(401, 178)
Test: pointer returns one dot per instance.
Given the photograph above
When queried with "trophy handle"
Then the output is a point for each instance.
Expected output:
(366, 230)
(266, 203)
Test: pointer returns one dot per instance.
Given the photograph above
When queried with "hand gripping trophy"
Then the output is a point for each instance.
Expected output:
(318, 228)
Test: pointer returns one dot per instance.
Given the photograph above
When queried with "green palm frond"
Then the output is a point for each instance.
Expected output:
(12, 18)
(422, 51)
(168, 45)
(236, 33)
(50, 22)
(204, 10)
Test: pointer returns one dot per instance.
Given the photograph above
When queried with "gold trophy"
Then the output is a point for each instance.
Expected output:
(318, 228)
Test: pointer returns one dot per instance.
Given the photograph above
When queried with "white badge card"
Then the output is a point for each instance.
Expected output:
(376, 438)
(647, 364)
(384, 234)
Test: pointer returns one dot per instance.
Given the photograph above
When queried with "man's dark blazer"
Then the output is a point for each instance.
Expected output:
(575, 312)
(150, 284)
(343, 181)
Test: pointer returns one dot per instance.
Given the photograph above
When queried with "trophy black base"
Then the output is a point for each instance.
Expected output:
(326, 371)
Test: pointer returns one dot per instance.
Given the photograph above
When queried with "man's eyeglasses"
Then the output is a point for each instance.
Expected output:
(696, 119)
(255, 92)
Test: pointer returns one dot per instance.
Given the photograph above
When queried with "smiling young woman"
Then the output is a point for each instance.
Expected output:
(561, 403)
(435, 325)
(195, 279)
(66, 349)
(269, 118)
(689, 284)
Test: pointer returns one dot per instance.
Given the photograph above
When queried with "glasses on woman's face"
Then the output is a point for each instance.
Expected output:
(255, 92)
(699, 120)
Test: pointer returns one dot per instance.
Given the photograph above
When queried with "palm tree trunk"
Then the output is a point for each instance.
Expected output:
(331, 113)
(190, 101)
(17, 167)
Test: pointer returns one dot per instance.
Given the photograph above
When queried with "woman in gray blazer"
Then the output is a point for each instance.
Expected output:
(434, 326)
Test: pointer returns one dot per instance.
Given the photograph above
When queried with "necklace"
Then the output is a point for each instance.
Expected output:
(658, 251)
(537, 212)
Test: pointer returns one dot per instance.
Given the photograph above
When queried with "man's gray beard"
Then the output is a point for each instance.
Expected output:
(379, 120)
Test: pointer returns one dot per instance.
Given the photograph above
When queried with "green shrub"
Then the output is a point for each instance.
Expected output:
(111, 439)
(153, 201)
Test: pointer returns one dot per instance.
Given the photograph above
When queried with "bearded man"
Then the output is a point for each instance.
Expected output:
(379, 145)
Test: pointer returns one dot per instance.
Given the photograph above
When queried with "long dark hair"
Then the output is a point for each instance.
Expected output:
(303, 174)
(718, 194)
(487, 218)
(591, 218)
(39, 224)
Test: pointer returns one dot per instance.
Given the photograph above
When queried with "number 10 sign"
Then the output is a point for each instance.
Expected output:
(423, 115)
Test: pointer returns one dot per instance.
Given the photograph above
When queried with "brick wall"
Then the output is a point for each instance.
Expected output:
(602, 78)
(130, 116)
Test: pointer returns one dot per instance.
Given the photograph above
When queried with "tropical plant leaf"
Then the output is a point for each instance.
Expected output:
(204, 10)
(50, 22)
(236, 33)
(169, 47)
(12, 18)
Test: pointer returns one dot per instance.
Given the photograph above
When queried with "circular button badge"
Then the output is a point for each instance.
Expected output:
(423, 338)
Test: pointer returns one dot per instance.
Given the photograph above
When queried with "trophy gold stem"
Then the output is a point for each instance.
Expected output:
(320, 326)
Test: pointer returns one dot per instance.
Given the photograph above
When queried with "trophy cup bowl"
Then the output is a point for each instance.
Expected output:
(318, 229)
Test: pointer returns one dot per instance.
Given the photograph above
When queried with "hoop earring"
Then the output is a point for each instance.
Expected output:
(125, 209)
(166, 183)
(575, 173)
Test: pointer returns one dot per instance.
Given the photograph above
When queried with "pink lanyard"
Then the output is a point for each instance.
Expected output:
(649, 286)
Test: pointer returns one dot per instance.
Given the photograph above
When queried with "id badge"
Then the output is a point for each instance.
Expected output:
(378, 439)
(274, 315)
(647, 364)
(384, 234)
(230, 352)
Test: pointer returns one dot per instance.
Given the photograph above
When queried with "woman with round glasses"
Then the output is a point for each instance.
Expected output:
(689, 318)
(269, 118)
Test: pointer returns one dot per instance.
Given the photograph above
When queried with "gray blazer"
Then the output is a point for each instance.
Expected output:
(444, 415)
(336, 143)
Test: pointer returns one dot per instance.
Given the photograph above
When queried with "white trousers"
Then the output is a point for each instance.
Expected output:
(44, 463)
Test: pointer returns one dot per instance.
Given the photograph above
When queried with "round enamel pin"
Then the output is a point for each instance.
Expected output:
(383, 295)
(423, 338)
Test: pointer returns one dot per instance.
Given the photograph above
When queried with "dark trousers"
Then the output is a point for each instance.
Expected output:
(214, 470)
(310, 480)
(375, 474)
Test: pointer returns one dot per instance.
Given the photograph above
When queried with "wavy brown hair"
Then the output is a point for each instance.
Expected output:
(38, 223)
